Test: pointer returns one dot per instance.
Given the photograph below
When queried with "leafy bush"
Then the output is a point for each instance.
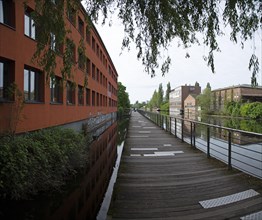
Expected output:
(252, 110)
(39, 161)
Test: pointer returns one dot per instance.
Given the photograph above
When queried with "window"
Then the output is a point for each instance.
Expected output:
(71, 14)
(6, 78)
(81, 60)
(29, 24)
(97, 99)
(97, 50)
(7, 13)
(97, 74)
(56, 90)
(81, 26)
(87, 66)
(70, 93)
(88, 35)
(72, 48)
(93, 98)
(52, 41)
(33, 85)
(80, 95)
(87, 96)
(93, 71)
(93, 44)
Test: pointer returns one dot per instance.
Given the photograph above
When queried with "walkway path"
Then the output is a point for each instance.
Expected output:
(162, 178)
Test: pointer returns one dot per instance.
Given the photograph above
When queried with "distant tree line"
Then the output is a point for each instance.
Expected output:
(159, 100)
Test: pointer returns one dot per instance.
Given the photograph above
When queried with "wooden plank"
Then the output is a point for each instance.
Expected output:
(171, 187)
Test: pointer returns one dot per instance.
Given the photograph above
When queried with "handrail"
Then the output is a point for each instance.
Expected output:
(222, 147)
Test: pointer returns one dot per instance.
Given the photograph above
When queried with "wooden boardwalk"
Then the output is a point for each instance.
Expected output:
(162, 178)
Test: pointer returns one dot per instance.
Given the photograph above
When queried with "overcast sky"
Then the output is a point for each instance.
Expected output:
(231, 65)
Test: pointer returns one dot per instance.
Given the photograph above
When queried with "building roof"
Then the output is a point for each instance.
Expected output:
(238, 86)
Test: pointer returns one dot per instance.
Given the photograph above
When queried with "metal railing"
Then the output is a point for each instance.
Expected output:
(238, 149)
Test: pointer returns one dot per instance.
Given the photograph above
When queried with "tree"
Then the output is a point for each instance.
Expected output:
(160, 95)
(168, 90)
(123, 98)
(204, 100)
(152, 25)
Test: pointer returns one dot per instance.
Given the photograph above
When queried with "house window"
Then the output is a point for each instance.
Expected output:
(93, 71)
(56, 90)
(71, 14)
(87, 66)
(81, 26)
(72, 48)
(88, 37)
(97, 74)
(70, 93)
(80, 95)
(33, 84)
(81, 60)
(93, 44)
(97, 99)
(52, 41)
(29, 24)
(7, 13)
(93, 98)
(88, 97)
(6, 78)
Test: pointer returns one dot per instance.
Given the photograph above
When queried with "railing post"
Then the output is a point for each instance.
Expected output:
(166, 122)
(194, 131)
(175, 128)
(208, 142)
(191, 133)
(170, 125)
(229, 150)
(182, 130)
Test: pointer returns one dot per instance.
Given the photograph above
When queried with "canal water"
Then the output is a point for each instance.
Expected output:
(86, 197)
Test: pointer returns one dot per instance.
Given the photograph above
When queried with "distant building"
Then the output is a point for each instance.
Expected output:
(177, 97)
(190, 106)
(240, 93)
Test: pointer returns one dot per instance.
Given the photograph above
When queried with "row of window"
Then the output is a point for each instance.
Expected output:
(34, 88)
(6, 17)
(71, 14)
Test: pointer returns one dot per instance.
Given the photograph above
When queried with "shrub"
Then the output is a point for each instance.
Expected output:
(39, 161)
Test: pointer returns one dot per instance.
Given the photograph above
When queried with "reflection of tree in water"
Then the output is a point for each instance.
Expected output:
(236, 123)
(121, 130)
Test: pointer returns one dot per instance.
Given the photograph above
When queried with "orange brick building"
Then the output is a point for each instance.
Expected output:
(51, 104)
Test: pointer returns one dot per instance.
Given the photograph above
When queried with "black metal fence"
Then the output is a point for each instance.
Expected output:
(239, 149)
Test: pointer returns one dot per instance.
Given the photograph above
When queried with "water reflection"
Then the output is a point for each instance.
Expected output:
(83, 196)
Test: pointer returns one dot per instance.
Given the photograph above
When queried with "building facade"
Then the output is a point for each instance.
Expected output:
(177, 97)
(55, 102)
(240, 93)
(191, 108)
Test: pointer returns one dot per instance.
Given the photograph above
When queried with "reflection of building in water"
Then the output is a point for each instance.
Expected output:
(243, 93)
(177, 97)
(82, 197)
(84, 202)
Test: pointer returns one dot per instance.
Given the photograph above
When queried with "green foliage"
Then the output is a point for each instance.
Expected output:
(168, 90)
(16, 107)
(165, 108)
(40, 161)
(252, 110)
(160, 95)
(247, 110)
(48, 19)
(204, 100)
(152, 25)
(123, 98)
